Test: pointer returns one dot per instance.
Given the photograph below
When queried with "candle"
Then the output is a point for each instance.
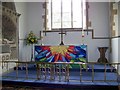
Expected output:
(83, 33)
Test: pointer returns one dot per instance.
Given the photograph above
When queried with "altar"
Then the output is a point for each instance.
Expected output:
(62, 53)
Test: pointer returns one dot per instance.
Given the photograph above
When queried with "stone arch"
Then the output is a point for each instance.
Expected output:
(9, 20)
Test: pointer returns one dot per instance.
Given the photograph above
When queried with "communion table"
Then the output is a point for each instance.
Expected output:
(60, 53)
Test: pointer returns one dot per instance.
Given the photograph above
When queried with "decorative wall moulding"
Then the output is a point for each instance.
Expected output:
(9, 11)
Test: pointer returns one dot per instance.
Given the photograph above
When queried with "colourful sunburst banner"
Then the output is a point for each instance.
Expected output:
(63, 53)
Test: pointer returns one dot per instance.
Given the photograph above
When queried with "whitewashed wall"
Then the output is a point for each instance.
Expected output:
(31, 19)
(21, 9)
(99, 17)
(119, 18)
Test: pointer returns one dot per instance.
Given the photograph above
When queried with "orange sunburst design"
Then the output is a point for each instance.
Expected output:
(59, 49)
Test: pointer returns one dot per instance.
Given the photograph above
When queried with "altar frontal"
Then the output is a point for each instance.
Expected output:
(62, 53)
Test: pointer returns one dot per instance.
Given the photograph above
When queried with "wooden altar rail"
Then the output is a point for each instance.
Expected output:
(59, 69)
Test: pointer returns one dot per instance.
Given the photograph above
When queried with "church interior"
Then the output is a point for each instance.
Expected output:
(59, 45)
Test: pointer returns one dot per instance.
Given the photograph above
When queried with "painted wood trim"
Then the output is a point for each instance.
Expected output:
(115, 37)
(78, 30)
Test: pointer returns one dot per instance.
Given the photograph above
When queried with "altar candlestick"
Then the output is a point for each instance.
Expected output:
(40, 34)
(83, 33)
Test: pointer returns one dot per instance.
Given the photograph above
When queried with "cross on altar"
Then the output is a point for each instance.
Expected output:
(61, 33)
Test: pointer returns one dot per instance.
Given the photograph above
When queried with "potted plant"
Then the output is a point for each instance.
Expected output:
(30, 40)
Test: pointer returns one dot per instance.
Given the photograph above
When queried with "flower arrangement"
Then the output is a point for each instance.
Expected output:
(31, 38)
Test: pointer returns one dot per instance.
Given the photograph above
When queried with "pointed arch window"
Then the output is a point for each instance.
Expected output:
(65, 14)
